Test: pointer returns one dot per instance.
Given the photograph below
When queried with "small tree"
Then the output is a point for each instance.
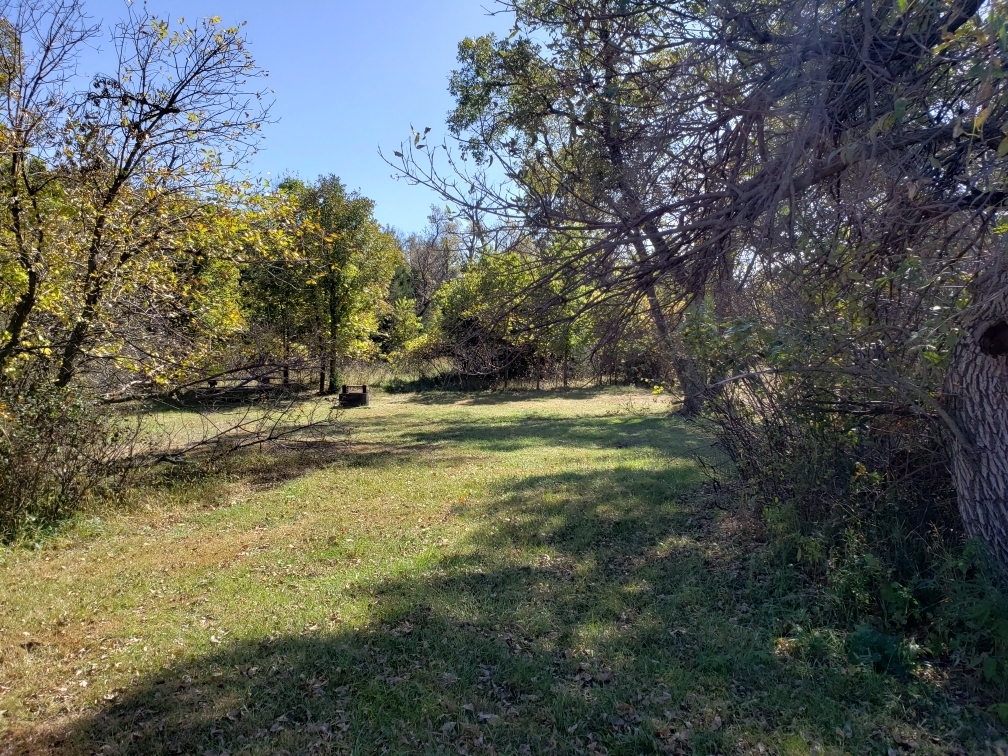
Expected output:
(341, 274)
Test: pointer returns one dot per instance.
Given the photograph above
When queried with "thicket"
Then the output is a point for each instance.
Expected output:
(56, 451)
(863, 508)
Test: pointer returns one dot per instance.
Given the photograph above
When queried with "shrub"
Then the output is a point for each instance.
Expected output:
(863, 508)
(57, 450)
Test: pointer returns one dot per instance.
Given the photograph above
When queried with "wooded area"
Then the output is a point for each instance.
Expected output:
(783, 218)
(803, 198)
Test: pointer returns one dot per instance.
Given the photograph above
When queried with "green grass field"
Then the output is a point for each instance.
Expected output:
(471, 574)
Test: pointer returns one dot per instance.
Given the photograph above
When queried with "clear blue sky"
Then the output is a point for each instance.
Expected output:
(349, 76)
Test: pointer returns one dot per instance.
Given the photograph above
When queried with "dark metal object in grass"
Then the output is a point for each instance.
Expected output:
(354, 396)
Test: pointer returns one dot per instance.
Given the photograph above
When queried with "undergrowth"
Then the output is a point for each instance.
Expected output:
(863, 512)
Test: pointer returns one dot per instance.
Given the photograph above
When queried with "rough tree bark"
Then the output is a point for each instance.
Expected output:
(693, 385)
(976, 392)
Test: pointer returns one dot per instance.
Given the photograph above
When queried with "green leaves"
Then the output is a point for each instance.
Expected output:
(900, 109)
(332, 290)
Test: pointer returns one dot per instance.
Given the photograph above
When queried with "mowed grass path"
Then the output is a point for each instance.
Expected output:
(474, 574)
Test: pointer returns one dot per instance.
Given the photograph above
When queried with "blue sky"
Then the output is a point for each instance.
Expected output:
(349, 76)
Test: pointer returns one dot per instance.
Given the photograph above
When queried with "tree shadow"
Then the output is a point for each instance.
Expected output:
(589, 612)
(493, 397)
(666, 435)
(601, 610)
(407, 438)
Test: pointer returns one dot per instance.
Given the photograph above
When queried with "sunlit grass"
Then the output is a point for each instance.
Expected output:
(480, 573)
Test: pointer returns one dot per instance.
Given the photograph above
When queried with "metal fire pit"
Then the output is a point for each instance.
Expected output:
(354, 396)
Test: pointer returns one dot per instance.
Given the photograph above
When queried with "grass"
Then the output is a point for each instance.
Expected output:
(473, 574)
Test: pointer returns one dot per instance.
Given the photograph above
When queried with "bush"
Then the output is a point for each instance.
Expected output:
(57, 450)
(863, 508)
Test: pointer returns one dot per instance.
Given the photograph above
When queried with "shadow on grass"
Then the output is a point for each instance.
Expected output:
(368, 440)
(666, 435)
(468, 397)
(589, 612)
(261, 470)
(409, 438)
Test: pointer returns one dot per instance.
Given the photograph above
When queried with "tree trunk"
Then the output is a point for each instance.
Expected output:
(692, 384)
(333, 325)
(694, 387)
(334, 377)
(287, 355)
(976, 391)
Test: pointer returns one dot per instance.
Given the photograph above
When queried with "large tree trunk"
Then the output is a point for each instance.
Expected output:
(694, 387)
(977, 398)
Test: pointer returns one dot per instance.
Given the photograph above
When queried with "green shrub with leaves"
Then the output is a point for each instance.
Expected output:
(57, 451)
(855, 495)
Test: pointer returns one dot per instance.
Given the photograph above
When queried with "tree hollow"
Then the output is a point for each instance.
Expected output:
(994, 341)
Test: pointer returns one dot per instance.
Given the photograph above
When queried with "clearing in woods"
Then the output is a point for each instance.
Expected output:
(474, 574)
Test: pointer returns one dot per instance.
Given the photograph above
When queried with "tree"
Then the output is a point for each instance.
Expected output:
(806, 161)
(434, 257)
(346, 266)
(122, 231)
(109, 193)
(584, 130)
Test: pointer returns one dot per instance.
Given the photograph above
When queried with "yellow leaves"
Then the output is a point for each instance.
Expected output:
(13, 277)
(159, 28)
(882, 126)
(981, 119)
